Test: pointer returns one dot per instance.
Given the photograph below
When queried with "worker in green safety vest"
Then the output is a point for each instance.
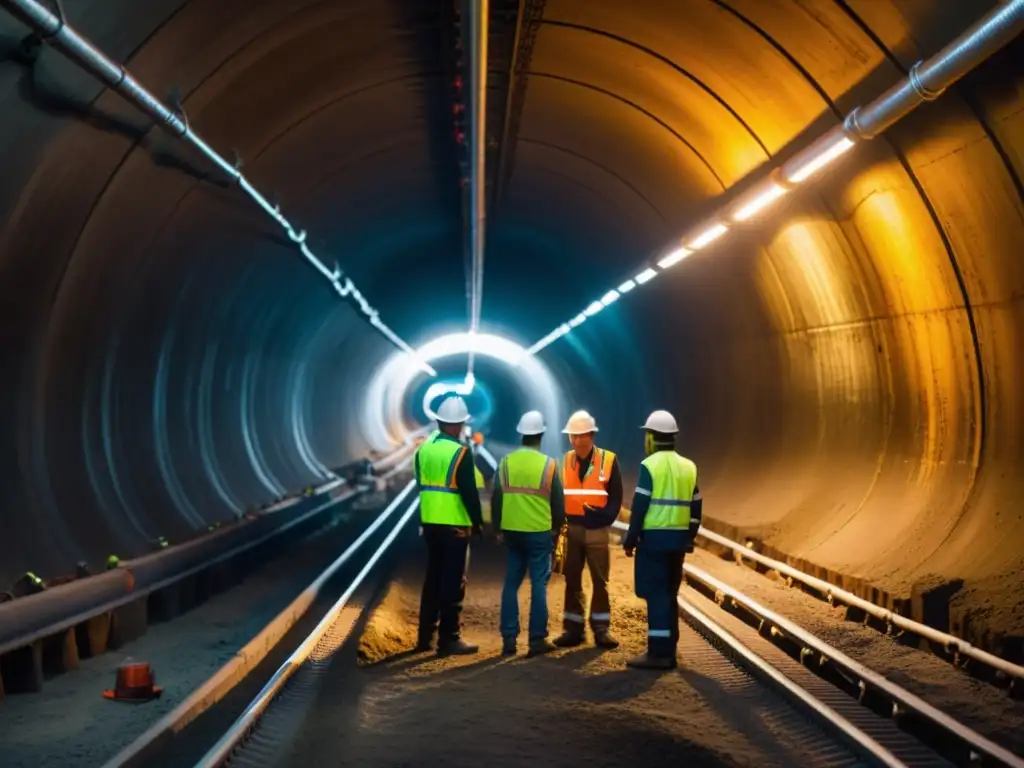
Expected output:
(449, 514)
(664, 521)
(527, 511)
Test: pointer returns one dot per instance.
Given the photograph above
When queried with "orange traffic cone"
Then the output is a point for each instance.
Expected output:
(134, 683)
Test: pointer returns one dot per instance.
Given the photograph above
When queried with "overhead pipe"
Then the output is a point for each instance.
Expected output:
(53, 29)
(479, 15)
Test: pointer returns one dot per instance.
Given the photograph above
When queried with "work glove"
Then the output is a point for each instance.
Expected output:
(630, 551)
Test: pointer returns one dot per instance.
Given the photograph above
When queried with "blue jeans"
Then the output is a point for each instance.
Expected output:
(526, 552)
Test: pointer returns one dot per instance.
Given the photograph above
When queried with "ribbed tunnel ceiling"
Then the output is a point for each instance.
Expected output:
(848, 369)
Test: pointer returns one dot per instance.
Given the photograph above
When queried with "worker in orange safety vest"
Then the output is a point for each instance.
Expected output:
(592, 486)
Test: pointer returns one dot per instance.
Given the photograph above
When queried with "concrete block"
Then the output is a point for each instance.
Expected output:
(165, 604)
(129, 622)
(60, 653)
(22, 669)
(929, 605)
(93, 636)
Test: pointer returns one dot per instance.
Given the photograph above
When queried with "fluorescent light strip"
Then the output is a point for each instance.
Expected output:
(759, 203)
(751, 207)
(803, 173)
(646, 276)
(674, 258)
(708, 236)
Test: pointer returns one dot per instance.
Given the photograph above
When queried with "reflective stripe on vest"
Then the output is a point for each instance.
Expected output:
(674, 478)
(594, 488)
(525, 476)
(440, 502)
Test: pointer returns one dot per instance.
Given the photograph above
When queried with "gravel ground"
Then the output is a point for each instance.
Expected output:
(575, 707)
(70, 724)
(983, 707)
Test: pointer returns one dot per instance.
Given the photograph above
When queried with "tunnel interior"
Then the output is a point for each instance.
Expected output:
(846, 368)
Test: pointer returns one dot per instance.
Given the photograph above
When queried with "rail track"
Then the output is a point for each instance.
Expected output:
(873, 717)
(820, 704)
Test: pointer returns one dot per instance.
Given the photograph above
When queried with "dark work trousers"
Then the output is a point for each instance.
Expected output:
(444, 585)
(588, 547)
(657, 577)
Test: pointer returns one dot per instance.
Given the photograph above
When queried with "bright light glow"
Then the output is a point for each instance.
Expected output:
(646, 276)
(843, 144)
(708, 236)
(627, 286)
(760, 202)
(593, 309)
(383, 416)
(489, 345)
(674, 258)
(609, 298)
(578, 320)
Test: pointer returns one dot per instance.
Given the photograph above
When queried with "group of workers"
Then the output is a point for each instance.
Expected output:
(539, 502)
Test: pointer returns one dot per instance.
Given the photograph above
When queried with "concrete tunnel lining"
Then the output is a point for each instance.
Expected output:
(848, 367)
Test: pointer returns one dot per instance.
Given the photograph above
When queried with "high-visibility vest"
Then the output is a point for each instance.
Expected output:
(674, 478)
(480, 482)
(593, 490)
(440, 503)
(525, 476)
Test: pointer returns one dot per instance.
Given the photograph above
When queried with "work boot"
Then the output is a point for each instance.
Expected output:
(425, 643)
(646, 661)
(540, 646)
(605, 639)
(508, 646)
(569, 640)
(456, 647)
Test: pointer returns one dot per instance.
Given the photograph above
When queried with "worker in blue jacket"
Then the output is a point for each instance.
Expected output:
(664, 521)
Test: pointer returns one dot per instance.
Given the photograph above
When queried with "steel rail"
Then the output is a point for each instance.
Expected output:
(868, 680)
(847, 732)
(218, 685)
(952, 644)
(249, 719)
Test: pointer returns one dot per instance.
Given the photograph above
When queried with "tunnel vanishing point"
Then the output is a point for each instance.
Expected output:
(847, 366)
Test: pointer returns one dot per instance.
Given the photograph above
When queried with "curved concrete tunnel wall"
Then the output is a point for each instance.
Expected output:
(847, 367)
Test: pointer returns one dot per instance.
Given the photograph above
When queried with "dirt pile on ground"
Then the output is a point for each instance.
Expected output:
(391, 627)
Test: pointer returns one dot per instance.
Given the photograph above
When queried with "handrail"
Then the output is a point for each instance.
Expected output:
(232, 672)
(855, 738)
(220, 751)
(867, 677)
(951, 643)
(34, 617)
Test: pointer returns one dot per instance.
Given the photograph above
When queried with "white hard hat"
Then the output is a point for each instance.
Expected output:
(580, 423)
(661, 421)
(532, 423)
(453, 411)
